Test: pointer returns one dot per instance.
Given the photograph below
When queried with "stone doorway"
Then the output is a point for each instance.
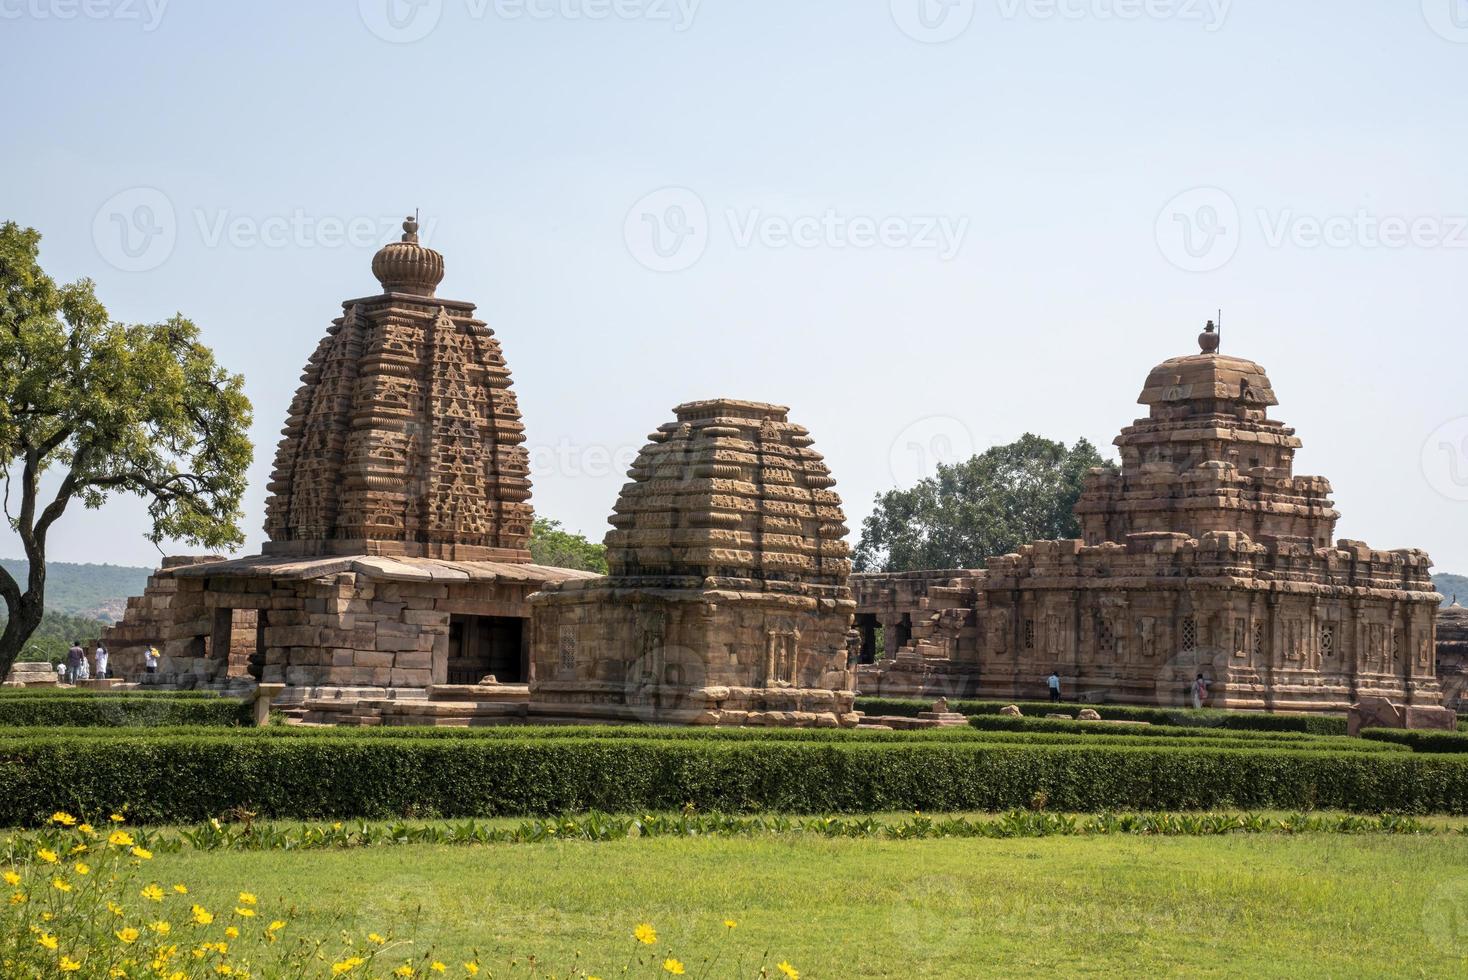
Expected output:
(480, 645)
(867, 626)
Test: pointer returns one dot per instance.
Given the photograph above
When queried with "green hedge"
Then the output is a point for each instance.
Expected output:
(9, 693)
(120, 711)
(188, 778)
(1419, 740)
(1286, 740)
(1185, 717)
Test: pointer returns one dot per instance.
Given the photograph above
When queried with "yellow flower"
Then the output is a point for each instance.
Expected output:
(673, 966)
(202, 915)
(81, 868)
(471, 968)
(180, 889)
(78, 849)
(117, 818)
(152, 893)
(232, 932)
(142, 852)
(63, 818)
(114, 908)
(86, 828)
(245, 912)
(161, 927)
(47, 855)
(438, 967)
(60, 884)
(12, 879)
(275, 926)
(405, 970)
(47, 940)
(120, 838)
(346, 966)
(730, 924)
(17, 898)
(69, 965)
(788, 970)
(224, 969)
(246, 898)
(127, 935)
(375, 939)
(645, 934)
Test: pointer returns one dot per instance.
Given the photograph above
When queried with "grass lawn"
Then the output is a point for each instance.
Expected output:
(1315, 905)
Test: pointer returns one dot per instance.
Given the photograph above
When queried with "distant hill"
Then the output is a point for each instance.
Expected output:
(1452, 585)
(90, 591)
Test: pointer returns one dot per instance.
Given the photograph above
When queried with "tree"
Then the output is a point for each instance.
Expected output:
(112, 408)
(970, 511)
(549, 545)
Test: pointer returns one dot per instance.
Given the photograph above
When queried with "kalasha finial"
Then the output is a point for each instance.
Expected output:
(1208, 339)
(410, 227)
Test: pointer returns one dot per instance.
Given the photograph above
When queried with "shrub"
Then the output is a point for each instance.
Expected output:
(120, 710)
(1271, 739)
(1419, 741)
(191, 777)
(1186, 717)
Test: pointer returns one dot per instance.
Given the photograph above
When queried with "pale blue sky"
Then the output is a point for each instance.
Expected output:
(918, 246)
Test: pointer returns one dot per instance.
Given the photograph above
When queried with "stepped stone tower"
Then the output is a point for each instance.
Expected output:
(404, 438)
(727, 598)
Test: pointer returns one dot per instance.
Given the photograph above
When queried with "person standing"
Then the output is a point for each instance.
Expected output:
(1200, 691)
(75, 657)
(150, 660)
(1054, 684)
(101, 658)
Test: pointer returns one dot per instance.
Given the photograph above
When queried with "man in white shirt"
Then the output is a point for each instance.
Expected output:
(101, 658)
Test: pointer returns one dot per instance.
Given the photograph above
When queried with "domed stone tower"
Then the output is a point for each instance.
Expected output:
(727, 601)
(404, 438)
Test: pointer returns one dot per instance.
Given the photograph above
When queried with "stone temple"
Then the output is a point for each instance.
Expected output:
(1204, 554)
(727, 598)
(398, 518)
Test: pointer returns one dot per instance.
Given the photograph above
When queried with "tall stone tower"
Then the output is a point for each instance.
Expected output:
(404, 438)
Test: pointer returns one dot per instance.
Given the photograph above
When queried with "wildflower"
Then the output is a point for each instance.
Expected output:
(471, 968)
(81, 868)
(117, 818)
(80, 848)
(202, 915)
(180, 889)
(730, 924)
(232, 932)
(245, 913)
(12, 879)
(246, 898)
(224, 969)
(161, 927)
(438, 967)
(406, 970)
(69, 965)
(120, 838)
(346, 966)
(86, 828)
(142, 852)
(645, 934)
(673, 966)
(790, 971)
(375, 939)
(17, 898)
(152, 893)
(47, 940)
(114, 908)
(63, 818)
(127, 935)
(46, 854)
(61, 884)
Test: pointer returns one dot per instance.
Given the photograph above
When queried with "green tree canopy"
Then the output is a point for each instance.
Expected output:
(970, 511)
(113, 408)
(550, 545)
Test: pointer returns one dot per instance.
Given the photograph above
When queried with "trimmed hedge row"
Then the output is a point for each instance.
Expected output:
(1092, 729)
(9, 693)
(1419, 740)
(120, 711)
(191, 778)
(1184, 717)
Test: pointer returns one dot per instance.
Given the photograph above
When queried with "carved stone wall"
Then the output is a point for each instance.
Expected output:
(727, 599)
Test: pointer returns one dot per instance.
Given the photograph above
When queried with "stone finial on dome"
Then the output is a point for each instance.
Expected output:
(406, 266)
(1209, 338)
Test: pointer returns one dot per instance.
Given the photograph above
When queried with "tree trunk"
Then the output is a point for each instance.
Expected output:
(22, 619)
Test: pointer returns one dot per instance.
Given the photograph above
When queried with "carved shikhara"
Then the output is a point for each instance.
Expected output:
(727, 598)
